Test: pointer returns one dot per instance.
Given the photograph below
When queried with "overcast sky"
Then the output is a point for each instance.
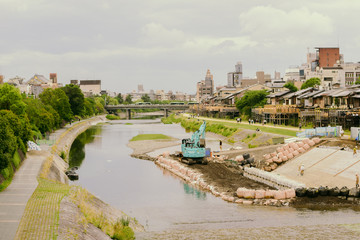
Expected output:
(169, 44)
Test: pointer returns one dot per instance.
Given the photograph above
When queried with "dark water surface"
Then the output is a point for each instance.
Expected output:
(160, 201)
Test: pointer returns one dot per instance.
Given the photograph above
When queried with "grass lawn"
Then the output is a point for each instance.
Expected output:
(276, 130)
(150, 137)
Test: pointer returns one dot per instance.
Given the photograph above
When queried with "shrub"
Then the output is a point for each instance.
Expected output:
(112, 117)
(62, 155)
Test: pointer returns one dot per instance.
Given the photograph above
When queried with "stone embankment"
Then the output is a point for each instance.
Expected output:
(54, 167)
(241, 196)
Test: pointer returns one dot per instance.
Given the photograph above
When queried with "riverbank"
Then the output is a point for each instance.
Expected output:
(77, 214)
(225, 175)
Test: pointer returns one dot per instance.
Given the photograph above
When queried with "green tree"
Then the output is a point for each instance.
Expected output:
(8, 143)
(311, 83)
(20, 126)
(59, 101)
(146, 98)
(89, 107)
(128, 99)
(11, 99)
(120, 98)
(76, 98)
(42, 117)
(251, 99)
(291, 87)
(358, 81)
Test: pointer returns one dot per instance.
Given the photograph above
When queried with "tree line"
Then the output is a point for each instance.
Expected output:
(24, 118)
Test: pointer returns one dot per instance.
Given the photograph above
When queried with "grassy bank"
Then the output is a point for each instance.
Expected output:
(141, 137)
(41, 216)
(222, 124)
(194, 125)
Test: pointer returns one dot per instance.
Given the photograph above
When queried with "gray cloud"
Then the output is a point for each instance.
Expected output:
(167, 44)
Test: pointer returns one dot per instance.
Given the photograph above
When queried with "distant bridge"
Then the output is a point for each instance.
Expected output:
(129, 107)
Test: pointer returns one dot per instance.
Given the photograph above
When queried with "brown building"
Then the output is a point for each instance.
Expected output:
(327, 57)
(205, 88)
(1, 79)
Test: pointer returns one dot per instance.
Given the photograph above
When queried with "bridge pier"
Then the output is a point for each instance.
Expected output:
(166, 112)
(128, 114)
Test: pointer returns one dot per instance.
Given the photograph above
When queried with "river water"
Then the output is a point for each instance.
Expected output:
(162, 202)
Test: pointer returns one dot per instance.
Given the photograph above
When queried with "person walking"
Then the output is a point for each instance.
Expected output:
(220, 145)
(354, 152)
(299, 126)
(357, 180)
(302, 169)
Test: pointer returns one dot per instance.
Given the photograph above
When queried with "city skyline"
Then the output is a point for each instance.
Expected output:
(165, 45)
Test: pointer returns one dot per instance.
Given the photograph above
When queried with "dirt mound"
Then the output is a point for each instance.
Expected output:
(226, 177)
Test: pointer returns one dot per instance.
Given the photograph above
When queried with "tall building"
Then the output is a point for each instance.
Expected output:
(53, 80)
(205, 88)
(140, 88)
(90, 87)
(234, 78)
(327, 57)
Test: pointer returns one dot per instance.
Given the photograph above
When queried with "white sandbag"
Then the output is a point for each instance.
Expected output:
(280, 194)
(269, 193)
(249, 193)
(239, 158)
(316, 139)
(240, 192)
(306, 146)
(284, 158)
(295, 153)
(290, 193)
(301, 150)
(166, 154)
(311, 143)
(259, 194)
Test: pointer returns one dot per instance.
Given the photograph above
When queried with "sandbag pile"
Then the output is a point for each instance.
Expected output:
(287, 152)
(247, 194)
(271, 179)
(189, 175)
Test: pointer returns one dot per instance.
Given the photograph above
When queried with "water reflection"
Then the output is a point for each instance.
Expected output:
(77, 150)
(195, 192)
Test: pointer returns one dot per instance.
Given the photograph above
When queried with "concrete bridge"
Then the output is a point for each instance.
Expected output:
(129, 107)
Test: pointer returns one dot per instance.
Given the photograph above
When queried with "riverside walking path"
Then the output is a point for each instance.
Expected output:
(14, 198)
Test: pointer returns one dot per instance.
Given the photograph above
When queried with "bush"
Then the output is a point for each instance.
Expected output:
(112, 117)
(62, 155)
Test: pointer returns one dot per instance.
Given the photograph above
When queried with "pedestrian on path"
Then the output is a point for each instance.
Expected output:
(357, 180)
(302, 169)
(355, 152)
(300, 126)
(220, 145)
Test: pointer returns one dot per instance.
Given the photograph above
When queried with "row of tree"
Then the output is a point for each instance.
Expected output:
(24, 118)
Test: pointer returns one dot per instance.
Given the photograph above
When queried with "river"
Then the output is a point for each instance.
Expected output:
(162, 202)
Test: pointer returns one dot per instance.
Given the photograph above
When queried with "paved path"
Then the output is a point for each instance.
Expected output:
(15, 197)
(323, 166)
